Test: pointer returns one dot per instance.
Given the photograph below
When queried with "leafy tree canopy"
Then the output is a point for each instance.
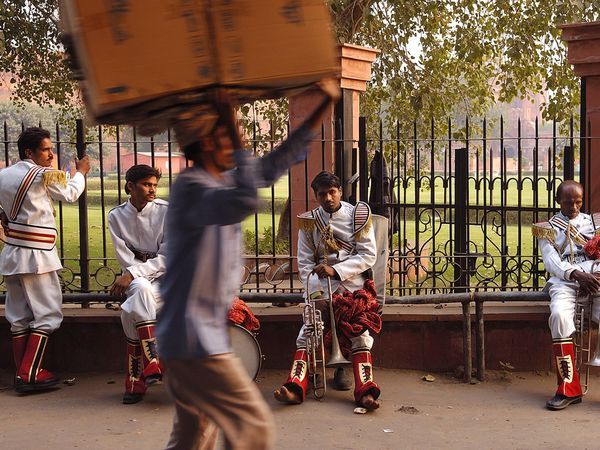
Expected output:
(441, 57)
(438, 57)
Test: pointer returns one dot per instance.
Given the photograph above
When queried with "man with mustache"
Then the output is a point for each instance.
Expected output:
(573, 274)
(29, 261)
(137, 231)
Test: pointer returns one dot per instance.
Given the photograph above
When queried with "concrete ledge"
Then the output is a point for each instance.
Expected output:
(421, 337)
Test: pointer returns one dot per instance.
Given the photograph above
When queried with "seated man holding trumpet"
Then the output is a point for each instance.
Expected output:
(336, 246)
(569, 250)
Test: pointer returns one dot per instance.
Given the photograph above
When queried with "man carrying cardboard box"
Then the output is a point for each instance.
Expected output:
(208, 201)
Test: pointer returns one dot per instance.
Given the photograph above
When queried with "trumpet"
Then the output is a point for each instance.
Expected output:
(315, 349)
(583, 340)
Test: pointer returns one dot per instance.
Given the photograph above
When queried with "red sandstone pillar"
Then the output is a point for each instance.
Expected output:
(583, 43)
(355, 63)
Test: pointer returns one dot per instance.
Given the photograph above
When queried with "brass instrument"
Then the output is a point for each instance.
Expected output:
(315, 349)
(583, 340)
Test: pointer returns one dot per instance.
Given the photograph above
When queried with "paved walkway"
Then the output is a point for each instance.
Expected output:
(504, 412)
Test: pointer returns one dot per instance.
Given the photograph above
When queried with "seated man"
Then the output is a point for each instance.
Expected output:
(138, 235)
(341, 235)
(562, 240)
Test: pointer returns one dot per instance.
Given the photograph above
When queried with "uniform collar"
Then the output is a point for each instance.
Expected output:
(334, 215)
(144, 210)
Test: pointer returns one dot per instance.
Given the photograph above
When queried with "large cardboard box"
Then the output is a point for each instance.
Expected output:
(140, 54)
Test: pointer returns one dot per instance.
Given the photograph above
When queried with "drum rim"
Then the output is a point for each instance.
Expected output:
(260, 354)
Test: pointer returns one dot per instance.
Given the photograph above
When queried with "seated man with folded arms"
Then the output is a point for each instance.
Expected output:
(138, 235)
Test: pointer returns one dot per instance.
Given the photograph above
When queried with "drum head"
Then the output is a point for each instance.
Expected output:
(246, 347)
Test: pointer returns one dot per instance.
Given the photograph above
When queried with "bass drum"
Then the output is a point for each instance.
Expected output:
(245, 346)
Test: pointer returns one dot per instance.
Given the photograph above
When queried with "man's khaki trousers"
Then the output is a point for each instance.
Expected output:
(216, 393)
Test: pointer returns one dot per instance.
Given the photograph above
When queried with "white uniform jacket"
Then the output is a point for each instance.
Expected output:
(26, 194)
(345, 240)
(142, 231)
(561, 243)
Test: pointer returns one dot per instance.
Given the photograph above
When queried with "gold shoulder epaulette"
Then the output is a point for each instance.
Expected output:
(596, 223)
(361, 220)
(306, 221)
(543, 230)
(54, 177)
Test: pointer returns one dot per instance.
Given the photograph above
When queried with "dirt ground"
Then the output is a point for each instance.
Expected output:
(504, 412)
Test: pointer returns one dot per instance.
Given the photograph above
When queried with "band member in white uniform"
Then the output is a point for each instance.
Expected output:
(29, 261)
(573, 274)
(137, 229)
(342, 238)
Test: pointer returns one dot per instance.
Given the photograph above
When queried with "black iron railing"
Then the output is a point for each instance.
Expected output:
(461, 200)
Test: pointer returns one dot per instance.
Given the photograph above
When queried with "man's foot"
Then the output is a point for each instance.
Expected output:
(284, 395)
(560, 401)
(341, 380)
(129, 398)
(368, 402)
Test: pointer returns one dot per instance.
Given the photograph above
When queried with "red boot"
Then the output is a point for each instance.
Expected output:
(363, 376)
(298, 378)
(152, 371)
(30, 375)
(19, 343)
(569, 388)
(135, 388)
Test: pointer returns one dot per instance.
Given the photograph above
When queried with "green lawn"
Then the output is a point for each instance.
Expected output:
(102, 256)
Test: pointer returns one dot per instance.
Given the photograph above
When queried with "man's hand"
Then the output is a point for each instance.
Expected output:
(323, 270)
(121, 284)
(83, 165)
(331, 88)
(225, 105)
(589, 283)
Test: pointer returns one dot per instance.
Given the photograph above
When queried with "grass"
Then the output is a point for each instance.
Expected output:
(101, 252)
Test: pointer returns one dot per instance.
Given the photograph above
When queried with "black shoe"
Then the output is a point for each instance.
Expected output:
(23, 388)
(341, 380)
(152, 379)
(560, 401)
(130, 398)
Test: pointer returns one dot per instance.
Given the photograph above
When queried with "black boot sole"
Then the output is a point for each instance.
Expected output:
(24, 388)
(562, 405)
(130, 399)
(152, 380)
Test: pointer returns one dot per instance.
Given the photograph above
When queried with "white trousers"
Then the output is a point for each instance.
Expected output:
(563, 297)
(364, 341)
(142, 304)
(33, 300)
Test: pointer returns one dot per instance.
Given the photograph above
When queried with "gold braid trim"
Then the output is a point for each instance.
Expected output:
(544, 233)
(54, 177)
(329, 240)
(597, 232)
(306, 224)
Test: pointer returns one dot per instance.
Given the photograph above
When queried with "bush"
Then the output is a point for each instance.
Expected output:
(265, 243)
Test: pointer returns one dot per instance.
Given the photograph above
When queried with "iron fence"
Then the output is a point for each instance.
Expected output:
(461, 200)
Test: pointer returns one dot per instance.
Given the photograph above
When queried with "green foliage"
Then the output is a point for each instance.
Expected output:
(265, 243)
(32, 57)
(442, 58)
(439, 58)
